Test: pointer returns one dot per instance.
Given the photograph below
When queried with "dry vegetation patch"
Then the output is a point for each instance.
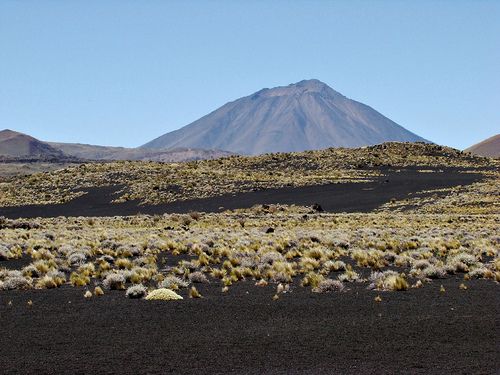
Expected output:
(325, 253)
(477, 198)
(410, 243)
(155, 183)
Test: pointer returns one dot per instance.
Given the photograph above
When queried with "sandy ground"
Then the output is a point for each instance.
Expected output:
(421, 331)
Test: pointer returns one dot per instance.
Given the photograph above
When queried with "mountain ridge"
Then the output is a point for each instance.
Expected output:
(16, 146)
(94, 152)
(20, 147)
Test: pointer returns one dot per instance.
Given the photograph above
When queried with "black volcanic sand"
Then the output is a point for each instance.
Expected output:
(345, 197)
(421, 331)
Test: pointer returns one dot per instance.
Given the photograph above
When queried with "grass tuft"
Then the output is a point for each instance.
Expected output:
(193, 293)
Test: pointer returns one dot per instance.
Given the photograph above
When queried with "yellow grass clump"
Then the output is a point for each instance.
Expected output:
(395, 282)
(193, 293)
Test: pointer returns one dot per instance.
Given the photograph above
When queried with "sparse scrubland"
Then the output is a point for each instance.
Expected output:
(475, 199)
(404, 244)
(155, 183)
(13, 169)
(305, 249)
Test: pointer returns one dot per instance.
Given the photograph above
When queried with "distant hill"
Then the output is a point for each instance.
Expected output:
(489, 147)
(18, 145)
(303, 116)
(92, 152)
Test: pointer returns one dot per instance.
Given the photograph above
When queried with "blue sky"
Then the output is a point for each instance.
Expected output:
(124, 72)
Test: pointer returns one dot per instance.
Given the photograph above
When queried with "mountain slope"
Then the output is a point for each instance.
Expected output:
(489, 147)
(19, 145)
(302, 116)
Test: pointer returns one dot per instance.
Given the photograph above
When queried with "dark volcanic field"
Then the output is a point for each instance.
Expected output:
(346, 197)
(421, 331)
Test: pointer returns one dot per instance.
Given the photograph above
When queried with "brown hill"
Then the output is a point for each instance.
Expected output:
(489, 147)
(19, 145)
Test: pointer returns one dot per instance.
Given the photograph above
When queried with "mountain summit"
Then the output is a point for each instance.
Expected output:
(302, 116)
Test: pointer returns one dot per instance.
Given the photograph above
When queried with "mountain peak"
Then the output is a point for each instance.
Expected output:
(305, 115)
(299, 88)
(312, 84)
(7, 133)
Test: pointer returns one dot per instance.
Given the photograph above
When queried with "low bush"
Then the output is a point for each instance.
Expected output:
(173, 282)
(312, 279)
(433, 272)
(334, 266)
(16, 282)
(163, 294)
(349, 275)
(52, 280)
(271, 257)
(76, 258)
(329, 285)
(4, 252)
(388, 280)
(481, 273)
(136, 291)
(114, 281)
(123, 263)
(198, 277)
(77, 279)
